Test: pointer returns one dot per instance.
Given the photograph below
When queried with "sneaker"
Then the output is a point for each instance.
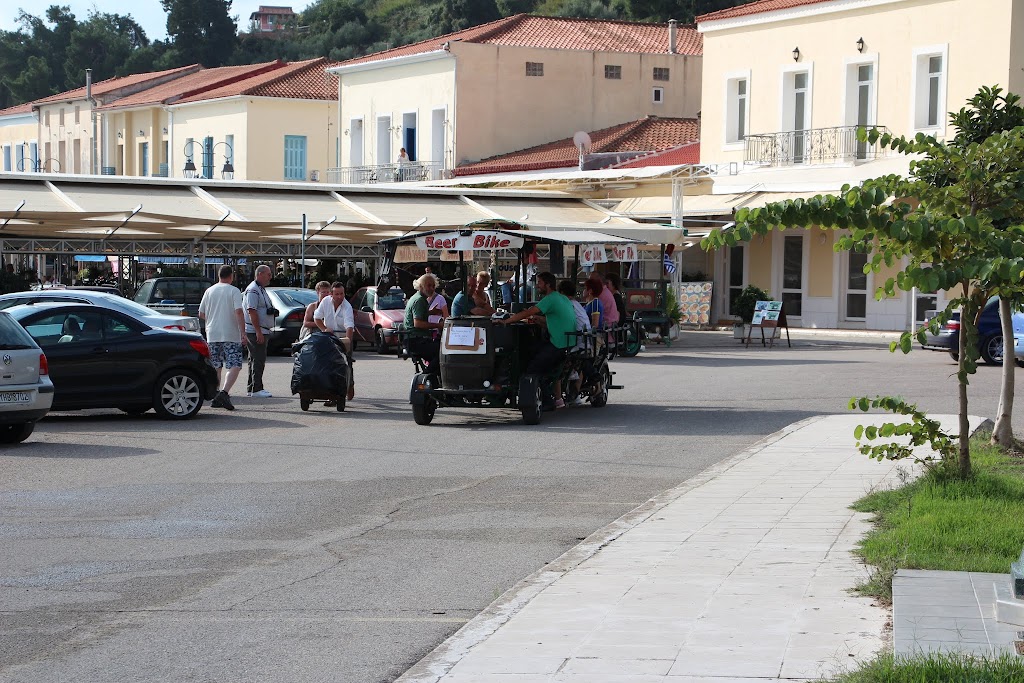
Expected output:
(559, 404)
(578, 401)
(262, 393)
(225, 401)
(218, 400)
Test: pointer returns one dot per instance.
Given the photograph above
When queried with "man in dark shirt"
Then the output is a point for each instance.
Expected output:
(418, 326)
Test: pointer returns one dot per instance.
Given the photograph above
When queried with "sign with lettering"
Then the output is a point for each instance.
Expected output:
(625, 253)
(476, 241)
(591, 254)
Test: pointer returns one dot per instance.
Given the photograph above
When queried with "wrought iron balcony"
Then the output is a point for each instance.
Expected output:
(812, 146)
(387, 173)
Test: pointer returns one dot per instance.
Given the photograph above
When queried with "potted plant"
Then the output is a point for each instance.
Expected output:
(672, 311)
(743, 307)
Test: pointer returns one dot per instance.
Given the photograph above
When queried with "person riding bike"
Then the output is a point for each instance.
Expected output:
(419, 327)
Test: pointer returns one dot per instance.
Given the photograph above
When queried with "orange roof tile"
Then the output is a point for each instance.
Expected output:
(688, 153)
(110, 85)
(756, 8)
(562, 33)
(647, 134)
(305, 80)
(192, 84)
(25, 108)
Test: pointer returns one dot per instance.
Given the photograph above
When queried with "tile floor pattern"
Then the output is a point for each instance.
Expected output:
(949, 611)
(741, 577)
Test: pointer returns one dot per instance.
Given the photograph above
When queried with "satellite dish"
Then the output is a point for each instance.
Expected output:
(582, 141)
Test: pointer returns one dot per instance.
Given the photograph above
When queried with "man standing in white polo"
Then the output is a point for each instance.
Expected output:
(334, 315)
(221, 308)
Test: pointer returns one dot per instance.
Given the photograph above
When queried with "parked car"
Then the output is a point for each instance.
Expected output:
(102, 358)
(26, 392)
(173, 295)
(378, 318)
(990, 333)
(118, 303)
(290, 303)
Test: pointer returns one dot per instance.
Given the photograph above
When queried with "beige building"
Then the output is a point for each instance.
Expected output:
(786, 85)
(509, 85)
(19, 139)
(270, 121)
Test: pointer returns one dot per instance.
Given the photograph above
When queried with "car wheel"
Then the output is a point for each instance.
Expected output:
(304, 403)
(955, 355)
(531, 408)
(134, 411)
(177, 395)
(340, 404)
(992, 349)
(423, 413)
(632, 345)
(382, 344)
(16, 433)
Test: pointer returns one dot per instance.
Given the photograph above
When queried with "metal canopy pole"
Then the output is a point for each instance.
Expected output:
(302, 250)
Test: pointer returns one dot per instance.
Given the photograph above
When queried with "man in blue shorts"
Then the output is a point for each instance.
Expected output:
(221, 308)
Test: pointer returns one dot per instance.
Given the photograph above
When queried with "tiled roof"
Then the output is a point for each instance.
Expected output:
(756, 8)
(101, 88)
(192, 84)
(647, 134)
(560, 33)
(299, 80)
(25, 108)
(688, 153)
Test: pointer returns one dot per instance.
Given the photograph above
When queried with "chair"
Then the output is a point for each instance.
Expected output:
(70, 331)
(92, 330)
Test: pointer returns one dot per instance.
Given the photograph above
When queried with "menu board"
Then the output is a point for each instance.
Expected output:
(695, 303)
(767, 313)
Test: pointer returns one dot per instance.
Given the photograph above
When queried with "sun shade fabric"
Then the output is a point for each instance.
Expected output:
(169, 201)
(276, 206)
(37, 198)
(552, 212)
(408, 210)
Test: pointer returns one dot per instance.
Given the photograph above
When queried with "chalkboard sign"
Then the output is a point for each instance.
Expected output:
(768, 315)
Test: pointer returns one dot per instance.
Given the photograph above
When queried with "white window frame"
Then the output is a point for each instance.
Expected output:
(778, 274)
(919, 89)
(732, 142)
(848, 102)
(352, 138)
(658, 95)
(787, 112)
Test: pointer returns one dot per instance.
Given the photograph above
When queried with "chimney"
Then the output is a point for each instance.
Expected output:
(672, 25)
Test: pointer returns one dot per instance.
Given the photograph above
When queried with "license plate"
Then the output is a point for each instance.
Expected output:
(15, 397)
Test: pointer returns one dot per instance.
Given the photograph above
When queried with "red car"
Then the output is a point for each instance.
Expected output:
(378, 318)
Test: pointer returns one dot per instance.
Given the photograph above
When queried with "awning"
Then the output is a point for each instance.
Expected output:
(256, 205)
(166, 260)
(552, 212)
(90, 258)
(406, 210)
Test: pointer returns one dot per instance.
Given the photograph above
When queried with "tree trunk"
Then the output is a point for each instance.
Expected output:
(1002, 434)
(967, 317)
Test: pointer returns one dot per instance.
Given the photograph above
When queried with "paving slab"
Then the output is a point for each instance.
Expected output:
(742, 573)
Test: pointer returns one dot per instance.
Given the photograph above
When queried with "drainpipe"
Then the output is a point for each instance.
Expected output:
(92, 114)
(672, 27)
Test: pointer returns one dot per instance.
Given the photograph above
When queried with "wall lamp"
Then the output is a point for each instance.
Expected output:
(142, 133)
(796, 54)
(860, 45)
(120, 135)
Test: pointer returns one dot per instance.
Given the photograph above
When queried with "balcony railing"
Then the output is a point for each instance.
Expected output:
(387, 173)
(813, 146)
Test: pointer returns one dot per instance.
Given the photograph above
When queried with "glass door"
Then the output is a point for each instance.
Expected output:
(793, 274)
(856, 286)
(865, 86)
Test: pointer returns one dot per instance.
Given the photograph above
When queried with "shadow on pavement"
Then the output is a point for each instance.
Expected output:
(210, 419)
(74, 451)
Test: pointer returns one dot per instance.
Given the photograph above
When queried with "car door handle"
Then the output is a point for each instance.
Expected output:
(100, 349)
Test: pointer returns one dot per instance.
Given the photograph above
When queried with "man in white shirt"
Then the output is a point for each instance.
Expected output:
(221, 308)
(334, 315)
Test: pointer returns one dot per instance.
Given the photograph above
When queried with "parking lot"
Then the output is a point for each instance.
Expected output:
(270, 544)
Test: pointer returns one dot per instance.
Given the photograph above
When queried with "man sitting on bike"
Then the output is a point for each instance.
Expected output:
(419, 328)
(555, 312)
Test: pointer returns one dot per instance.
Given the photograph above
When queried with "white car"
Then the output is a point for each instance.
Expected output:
(26, 392)
(118, 303)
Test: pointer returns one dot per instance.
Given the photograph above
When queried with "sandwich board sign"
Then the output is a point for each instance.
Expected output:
(768, 315)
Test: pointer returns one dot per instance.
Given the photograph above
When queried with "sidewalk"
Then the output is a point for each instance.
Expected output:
(741, 574)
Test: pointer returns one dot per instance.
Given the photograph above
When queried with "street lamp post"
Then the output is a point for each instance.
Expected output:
(190, 170)
(227, 172)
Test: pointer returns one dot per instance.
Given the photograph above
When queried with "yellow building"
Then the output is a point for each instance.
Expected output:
(19, 139)
(787, 84)
(508, 85)
(270, 121)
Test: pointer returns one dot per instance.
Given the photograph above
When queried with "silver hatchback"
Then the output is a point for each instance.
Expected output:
(26, 392)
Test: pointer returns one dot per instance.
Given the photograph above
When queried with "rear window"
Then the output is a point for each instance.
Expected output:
(13, 335)
(145, 291)
(194, 291)
(296, 297)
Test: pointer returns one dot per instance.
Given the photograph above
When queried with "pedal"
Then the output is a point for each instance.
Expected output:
(616, 386)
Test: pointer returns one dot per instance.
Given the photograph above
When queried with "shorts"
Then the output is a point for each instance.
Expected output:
(226, 354)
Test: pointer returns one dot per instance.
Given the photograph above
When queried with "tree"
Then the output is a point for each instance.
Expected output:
(960, 229)
(103, 43)
(201, 31)
(454, 15)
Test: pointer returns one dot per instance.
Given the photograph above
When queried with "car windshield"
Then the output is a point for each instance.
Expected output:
(125, 306)
(392, 302)
(296, 297)
(13, 336)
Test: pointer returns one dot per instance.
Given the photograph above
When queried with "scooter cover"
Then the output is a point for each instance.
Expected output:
(320, 366)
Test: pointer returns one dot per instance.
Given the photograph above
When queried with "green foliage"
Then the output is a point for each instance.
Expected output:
(744, 304)
(937, 666)
(200, 31)
(920, 431)
(672, 305)
(15, 282)
(940, 521)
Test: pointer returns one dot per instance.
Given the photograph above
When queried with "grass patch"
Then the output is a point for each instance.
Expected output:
(940, 522)
(947, 668)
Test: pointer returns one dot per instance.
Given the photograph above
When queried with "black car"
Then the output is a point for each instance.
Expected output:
(290, 303)
(101, 358)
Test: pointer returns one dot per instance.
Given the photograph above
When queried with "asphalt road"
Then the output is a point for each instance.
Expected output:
(274, 545)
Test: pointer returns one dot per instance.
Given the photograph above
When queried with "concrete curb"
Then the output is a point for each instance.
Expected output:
(437, 663)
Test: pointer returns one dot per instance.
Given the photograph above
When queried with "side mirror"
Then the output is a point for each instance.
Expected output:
(366, 309)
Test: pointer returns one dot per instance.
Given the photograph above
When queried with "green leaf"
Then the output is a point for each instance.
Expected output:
(863, 403)
(858, 432)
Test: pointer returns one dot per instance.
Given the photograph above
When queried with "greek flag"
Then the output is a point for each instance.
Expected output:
(670, 264)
